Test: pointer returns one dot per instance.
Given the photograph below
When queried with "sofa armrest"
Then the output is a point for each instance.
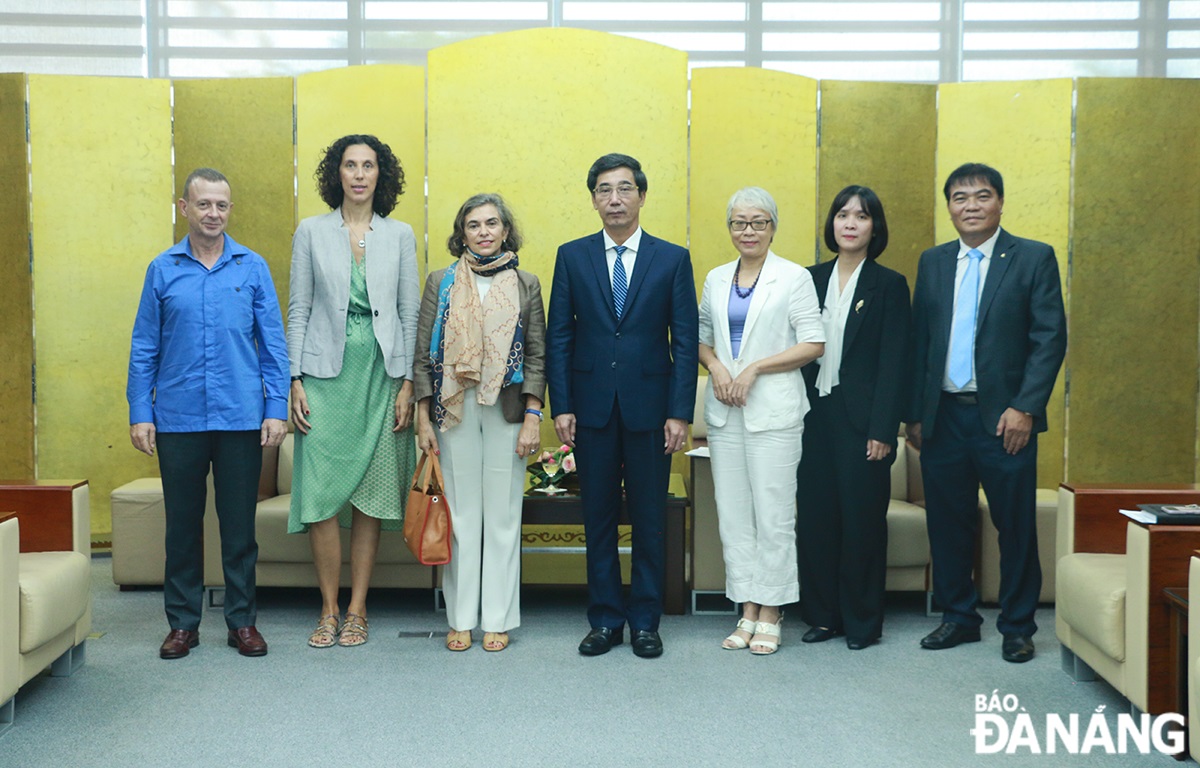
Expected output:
(10, 617)
(1193, 661)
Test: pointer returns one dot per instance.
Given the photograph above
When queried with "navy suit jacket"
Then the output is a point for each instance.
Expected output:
(874, 375)
(1020, 331)
(647, 360)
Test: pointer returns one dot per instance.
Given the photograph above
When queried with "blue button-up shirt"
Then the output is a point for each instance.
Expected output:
(208, 351)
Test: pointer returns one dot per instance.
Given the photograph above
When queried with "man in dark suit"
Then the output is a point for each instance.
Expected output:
(621, 357)
(989, 335)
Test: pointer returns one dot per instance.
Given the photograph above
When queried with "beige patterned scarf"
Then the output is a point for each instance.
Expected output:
(479, 335)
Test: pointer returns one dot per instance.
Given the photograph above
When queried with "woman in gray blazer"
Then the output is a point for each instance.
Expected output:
(352, 319)
(480, 377)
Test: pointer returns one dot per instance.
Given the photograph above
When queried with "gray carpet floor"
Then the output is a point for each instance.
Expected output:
(402, 699)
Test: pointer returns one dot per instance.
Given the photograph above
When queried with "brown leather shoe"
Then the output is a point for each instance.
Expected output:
(248, 641)
(179, 643)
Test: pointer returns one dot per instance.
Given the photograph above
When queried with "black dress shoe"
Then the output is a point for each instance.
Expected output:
(179, 643)
(1017, 648)
(949, 635)
(601, 640)
(819, 635)
(857, 645)
(646, 643)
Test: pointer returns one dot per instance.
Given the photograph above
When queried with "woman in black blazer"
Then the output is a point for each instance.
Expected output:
(857, 391)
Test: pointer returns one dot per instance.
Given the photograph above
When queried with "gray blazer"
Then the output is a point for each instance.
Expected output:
(320, 294)
(533, 318)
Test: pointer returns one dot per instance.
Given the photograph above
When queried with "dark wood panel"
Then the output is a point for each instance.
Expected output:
(1099, 526)
(44, 508)
(1171, 548)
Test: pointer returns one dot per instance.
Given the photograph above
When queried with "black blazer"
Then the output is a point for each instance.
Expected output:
(874, 374)
(1020, 333)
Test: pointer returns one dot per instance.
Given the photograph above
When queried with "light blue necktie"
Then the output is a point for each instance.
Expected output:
(620, 281)
(962, 340)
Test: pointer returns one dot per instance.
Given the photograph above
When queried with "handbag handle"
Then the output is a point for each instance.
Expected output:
(432, 468)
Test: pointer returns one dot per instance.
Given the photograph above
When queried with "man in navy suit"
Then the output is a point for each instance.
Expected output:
(990, 335)
(621, 357)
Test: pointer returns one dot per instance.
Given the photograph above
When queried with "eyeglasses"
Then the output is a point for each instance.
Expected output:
(758, 225)
(622, 190)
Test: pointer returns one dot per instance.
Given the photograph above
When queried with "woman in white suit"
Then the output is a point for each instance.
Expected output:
(352, 322)
(760, 321)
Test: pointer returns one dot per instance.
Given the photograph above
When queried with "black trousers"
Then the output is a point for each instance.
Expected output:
(605, 457)
(841, 523)
(184, 459)
(962, 454)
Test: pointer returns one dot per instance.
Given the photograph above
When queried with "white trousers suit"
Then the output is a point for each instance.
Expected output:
(485, 482)
(754, 477)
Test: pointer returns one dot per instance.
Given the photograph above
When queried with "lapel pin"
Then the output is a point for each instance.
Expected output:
(858, 307)
(1003, 255)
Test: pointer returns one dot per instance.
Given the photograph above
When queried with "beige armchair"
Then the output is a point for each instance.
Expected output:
(284, 559)
(1111, 616)
(45, 582)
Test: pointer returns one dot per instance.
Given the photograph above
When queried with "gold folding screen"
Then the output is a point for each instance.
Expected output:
(101, 174)
(243, 128)
(882, 136)
(16, 286)
(105, 184)
(771, 143)
(1134, 281)
(1023, 130)
(385, 100)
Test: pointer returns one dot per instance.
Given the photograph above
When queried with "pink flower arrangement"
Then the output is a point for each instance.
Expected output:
(551, 467)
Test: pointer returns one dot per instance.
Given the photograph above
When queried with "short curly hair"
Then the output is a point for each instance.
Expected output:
(456, 243)
(388, 188)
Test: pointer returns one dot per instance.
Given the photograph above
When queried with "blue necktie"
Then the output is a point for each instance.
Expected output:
(962, 339)
(620, 281)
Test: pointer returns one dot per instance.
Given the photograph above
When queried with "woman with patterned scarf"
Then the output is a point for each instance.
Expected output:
(479, 378)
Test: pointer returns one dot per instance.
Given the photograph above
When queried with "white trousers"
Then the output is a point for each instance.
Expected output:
(485, 480)
(754, 476)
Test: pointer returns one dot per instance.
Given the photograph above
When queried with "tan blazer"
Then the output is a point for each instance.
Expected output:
(533, 318)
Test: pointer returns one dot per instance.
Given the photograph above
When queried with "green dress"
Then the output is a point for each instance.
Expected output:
(351, 456)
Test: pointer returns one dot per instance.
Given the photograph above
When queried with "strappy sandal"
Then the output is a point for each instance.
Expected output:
(325, 635)
(495, 641)
(735, 642)
(458, 641)
(354, 631)
(763, 629)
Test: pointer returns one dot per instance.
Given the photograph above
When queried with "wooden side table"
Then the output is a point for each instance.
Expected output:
(1177, 602)
(46, 511)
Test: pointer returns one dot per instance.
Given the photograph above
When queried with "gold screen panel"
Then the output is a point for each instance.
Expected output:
(530, 122)
(101, 212)
(16, 286)
(385, 100)
(1134, 305)
(882, 136)
(774, 146)
(1023, 130)
(254, 151)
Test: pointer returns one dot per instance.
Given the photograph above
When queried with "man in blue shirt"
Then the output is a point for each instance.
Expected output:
(208, 386)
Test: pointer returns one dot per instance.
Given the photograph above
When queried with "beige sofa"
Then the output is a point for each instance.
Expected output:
(1111, 616)
(45, 599)
(987, 577)
(908, 541)
(284, 560)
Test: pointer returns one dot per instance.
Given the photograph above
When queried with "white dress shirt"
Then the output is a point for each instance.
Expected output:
(833, 318)
(630, 256)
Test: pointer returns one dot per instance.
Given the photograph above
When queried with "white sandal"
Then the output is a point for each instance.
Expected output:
(770, 630)
(735, 643)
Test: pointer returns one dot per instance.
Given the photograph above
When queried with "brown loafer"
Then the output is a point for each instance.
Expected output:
(248, 641)
(179, 643)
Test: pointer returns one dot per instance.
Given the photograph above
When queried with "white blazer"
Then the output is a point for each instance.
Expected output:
(784, 312)
(320, 294)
